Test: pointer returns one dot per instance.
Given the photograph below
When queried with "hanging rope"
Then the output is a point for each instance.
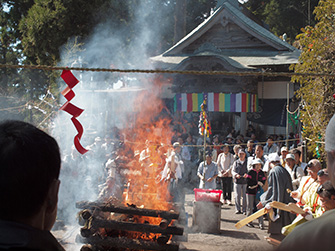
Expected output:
(226, 73)
(287, 109)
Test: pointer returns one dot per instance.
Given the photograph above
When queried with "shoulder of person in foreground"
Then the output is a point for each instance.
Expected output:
(317, 234)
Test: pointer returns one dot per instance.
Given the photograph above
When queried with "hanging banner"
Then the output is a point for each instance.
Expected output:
(271, 112)
(73, 110)
(216, 102)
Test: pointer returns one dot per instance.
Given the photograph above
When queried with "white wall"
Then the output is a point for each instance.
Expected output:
(274, 90)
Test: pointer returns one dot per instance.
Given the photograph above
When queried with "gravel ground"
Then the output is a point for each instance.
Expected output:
(227, 238)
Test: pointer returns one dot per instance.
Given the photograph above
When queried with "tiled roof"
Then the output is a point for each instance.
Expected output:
(276, 52)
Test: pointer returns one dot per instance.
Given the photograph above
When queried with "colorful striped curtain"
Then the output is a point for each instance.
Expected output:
(217, 102)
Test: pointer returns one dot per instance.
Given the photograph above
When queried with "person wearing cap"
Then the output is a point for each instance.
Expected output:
(225, 163)
(279, 181)
(313, 202)
(308, 184)
(326, 194)
(255, 181)
(294, 170)
(319, 233)
(283, 153)
(207, 172)
(323, 176)
(312, 205)
(239, 173)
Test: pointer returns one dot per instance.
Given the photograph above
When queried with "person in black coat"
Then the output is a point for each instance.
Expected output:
(255, 180)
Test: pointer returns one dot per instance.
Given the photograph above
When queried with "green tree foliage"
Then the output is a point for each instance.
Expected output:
(34, 31)
(318, 56)
(12, 102)
(50, 23)
(284, 16)
(10, 46)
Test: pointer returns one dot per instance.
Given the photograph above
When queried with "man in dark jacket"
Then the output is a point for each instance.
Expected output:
(29, 170)
(279, 181)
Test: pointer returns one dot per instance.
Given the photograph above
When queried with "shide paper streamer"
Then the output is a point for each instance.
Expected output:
(73, 110)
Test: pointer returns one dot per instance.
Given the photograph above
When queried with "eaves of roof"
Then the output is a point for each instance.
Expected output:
(240, 19)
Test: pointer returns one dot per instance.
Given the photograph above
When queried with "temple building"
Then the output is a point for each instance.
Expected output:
(232, 40)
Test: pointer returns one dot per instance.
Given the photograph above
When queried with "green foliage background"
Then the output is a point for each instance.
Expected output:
(318, 56)
(34, 31)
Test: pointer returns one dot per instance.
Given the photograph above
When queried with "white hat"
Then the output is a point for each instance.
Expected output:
(283, 149)
(257, 161)
(176, 144)
(273, 157)
(290, 156)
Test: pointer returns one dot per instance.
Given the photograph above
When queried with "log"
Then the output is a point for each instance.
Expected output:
(163, 239)
(250, 218)
(86, 214)
(87, 247)
(126, 243)
(86, 232)
(164, 223)
(127, 210)
(137, 227)
(83, 216)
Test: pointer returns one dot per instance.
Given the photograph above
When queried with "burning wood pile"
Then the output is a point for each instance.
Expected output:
(107, 226)
(140, 216)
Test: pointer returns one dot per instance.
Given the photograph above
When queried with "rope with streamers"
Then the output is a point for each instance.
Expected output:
(73, 110)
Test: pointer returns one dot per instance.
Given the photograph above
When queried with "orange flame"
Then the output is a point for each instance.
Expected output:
(149, 140)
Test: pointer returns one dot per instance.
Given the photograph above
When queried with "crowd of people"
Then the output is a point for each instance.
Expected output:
(30, 166)
(258, 174)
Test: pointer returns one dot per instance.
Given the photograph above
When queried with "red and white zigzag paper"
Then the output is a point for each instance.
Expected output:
(73, 110)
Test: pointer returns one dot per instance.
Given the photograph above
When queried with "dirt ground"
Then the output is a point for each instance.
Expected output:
(227, 238)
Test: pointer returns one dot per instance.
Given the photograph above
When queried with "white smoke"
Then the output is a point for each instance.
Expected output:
(107, 99)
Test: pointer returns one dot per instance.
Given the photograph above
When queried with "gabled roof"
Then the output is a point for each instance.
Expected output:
(243, 41)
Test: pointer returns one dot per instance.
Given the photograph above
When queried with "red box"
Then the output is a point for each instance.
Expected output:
(210, 195)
